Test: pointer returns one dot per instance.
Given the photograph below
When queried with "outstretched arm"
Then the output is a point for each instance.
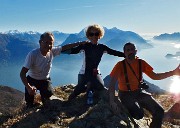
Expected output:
(159, 76)
(69, 46)
(114, 52)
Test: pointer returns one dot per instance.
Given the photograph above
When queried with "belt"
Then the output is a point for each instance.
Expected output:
(47, 79)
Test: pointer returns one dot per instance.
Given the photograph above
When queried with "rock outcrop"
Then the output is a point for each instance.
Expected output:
(58, 113)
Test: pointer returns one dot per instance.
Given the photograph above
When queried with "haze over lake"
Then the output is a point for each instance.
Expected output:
(66, 72)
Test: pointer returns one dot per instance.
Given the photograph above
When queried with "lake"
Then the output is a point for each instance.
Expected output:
(66, 72)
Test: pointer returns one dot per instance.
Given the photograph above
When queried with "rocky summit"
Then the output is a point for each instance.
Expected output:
(58, 113)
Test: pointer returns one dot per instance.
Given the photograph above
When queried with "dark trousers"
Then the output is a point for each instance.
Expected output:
(44, 86)
(96, 83)
(137, 100)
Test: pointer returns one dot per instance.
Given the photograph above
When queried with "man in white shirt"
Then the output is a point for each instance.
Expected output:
(38, 65)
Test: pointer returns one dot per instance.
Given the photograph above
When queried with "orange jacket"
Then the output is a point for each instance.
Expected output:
(118, 73)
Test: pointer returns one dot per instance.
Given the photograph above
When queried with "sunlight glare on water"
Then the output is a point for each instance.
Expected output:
(177, 45)
(175, 86)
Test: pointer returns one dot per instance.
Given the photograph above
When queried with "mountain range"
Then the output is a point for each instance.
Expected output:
(15, 45)
(169, 37)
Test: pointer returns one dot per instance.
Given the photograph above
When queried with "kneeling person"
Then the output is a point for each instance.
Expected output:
(37, 65)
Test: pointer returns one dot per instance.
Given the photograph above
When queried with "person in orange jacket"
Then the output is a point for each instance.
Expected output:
(128, 73)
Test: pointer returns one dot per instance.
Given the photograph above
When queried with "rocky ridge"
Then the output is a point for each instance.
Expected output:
(76, 114)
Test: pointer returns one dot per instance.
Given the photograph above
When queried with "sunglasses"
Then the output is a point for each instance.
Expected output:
(94, 34)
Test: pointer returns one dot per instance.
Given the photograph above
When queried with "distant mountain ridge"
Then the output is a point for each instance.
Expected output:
(33, 37)
(13, 48)
(173, 56)
(15, 45)
(169, 37)
(114, 38)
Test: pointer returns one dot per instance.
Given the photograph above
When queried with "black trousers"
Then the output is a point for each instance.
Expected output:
(44, 86)
(135, 101)
(96, 83)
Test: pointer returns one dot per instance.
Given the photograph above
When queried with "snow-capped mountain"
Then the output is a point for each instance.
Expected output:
(60, 37)
(14, 45)
(114, 38)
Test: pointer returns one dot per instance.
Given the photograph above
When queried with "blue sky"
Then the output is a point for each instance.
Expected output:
(69, 16)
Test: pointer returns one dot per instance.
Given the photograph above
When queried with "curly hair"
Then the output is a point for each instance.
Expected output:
(95, 27)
